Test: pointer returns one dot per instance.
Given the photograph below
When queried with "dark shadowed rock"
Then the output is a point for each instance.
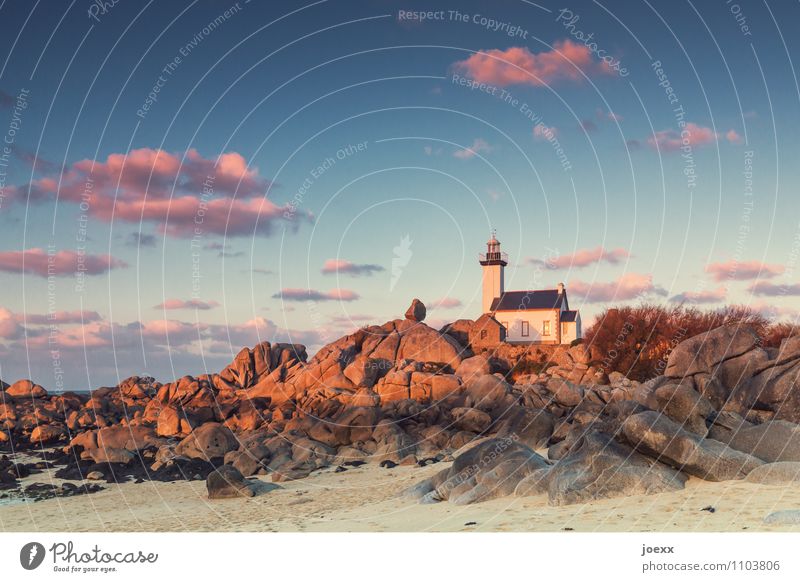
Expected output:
(771, 441)
(488, 470)
(487, 392)
(209, 441)
(685, 405)
(530, 427)
(417, 311)
(660, 437)
(471, 419)
(227, 482)
(600, 468)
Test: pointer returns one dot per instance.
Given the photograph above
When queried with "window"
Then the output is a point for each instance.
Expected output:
(483, 334)
(564, 328)
(525, 329)
(545, 328)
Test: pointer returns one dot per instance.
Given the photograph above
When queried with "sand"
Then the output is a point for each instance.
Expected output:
(366, 499)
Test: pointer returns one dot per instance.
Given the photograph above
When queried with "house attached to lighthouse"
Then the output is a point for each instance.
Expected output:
(537, 316)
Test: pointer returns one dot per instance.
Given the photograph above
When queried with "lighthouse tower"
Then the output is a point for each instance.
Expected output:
(493, 263)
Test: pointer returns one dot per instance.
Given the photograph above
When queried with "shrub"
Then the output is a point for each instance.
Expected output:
(637, 340)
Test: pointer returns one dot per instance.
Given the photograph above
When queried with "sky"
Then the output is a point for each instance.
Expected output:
(182, 179)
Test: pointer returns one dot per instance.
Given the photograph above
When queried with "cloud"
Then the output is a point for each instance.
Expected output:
(262, 271)
(628, 286)
(165, 348)
(744, 270)
(36, 162)
(10, 328)
(610, 115)
(351, 320)
(138, 239)
(179, 193)
(693, 135)
(584, 258)
(478, 145)
(6, 100)
(60, 317)
(587, 125)
(543, 132)
(733, 137)
(187, 304)
(58, 264)
(12, 325)
(765, 288)
(343, 267)
(708, 296)
(291, 294)
(445, 303)
(495, 195)
(775, 311)
(567, 61)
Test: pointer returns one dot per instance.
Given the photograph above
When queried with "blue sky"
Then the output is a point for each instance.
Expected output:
(577, 166)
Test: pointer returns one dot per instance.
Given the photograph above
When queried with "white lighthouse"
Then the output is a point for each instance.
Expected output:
(493, 263)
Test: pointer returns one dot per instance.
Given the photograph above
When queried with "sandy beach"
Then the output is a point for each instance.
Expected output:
(366, 499)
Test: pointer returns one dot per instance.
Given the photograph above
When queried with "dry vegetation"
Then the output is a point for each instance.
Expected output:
(637, 340)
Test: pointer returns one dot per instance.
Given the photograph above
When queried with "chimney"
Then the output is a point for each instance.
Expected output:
(561, 288)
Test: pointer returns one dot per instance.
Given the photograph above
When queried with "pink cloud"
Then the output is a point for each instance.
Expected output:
(671, 140)
(543, 132)
(478, 145)
(292, 294)
(445, 303)
(567, 61)
(12, 324)
(744, 270)
(187, 304)
(59, 317)
(765, 288)
(775, 311)
(10, 328)
(343, 267)
(708, 296)
(59, 264)
(179, 193)
(733, 137)
(628, 286)
(584, 258)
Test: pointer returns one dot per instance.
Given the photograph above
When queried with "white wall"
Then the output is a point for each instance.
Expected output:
(571, 330)
(513, 319)
(493, 285)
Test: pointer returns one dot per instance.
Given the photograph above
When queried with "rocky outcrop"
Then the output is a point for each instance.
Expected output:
(226, 482)
(599, 468)
(404, 393)
(25, 389)
(704, 353)
(208, 442)
(488, 470)
(660, 437)
(416, 311)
